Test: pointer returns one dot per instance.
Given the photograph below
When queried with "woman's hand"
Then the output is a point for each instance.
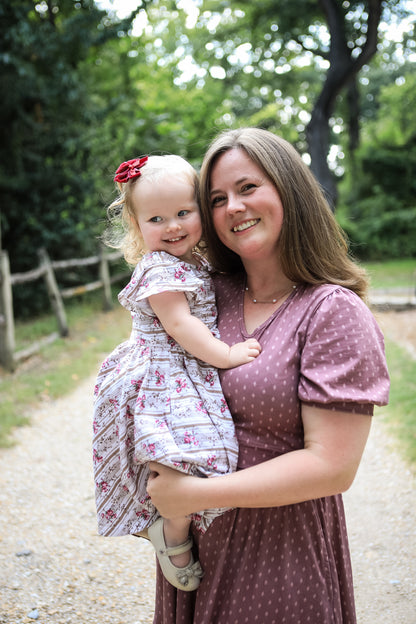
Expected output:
(171, 491)
(333, 445)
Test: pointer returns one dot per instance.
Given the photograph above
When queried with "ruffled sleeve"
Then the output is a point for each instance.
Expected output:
(159, 272)
(343, 365)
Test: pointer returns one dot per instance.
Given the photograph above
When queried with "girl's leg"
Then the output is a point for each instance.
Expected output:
(173, 545)
(176, 532)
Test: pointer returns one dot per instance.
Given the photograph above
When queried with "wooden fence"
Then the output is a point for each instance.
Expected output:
(47, 269)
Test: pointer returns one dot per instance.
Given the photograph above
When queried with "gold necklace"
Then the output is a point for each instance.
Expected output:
(281, 294)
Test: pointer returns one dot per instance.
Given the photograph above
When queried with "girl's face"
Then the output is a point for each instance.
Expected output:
(246, 208)
(168, 216)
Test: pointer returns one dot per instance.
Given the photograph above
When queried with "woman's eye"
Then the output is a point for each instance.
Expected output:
(248, 187)
(182, 213)
(215, 201)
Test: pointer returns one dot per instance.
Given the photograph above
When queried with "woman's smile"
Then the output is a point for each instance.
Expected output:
(241, 227)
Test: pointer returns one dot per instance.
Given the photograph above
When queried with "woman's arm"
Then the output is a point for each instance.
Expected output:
(334, 443)
(173, 312)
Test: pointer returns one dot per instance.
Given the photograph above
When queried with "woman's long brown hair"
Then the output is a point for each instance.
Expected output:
(314, 249)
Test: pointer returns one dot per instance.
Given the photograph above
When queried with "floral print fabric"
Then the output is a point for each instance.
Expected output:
(156, 402)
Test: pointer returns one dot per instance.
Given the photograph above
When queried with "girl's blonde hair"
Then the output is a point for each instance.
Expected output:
(314, 248)
(122, 230)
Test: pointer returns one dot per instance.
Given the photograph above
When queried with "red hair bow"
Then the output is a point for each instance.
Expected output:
(130, 169)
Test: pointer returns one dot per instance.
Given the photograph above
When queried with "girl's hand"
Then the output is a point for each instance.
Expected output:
(244, 352)
(171, 491)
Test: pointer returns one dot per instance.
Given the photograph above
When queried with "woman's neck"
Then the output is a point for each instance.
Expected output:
(265, 279)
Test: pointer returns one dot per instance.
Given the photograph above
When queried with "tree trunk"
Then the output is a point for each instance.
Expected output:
(342, 70)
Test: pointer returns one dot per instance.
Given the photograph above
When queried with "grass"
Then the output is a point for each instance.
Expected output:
(400, 415)
(59, 367)
(392, 274)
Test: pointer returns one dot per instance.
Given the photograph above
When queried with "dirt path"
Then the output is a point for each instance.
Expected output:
(55, 569)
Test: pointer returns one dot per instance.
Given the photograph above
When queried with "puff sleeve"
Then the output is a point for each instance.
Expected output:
(158, 272)
(343, 364)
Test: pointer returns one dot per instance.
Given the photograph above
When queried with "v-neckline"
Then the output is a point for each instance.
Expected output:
(258, 331)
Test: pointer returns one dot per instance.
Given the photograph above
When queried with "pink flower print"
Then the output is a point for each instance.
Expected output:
(224, 406)
(145, 499)
(141, 341)
(144, 352)
(160, 378)
(143, 514)
(129, 442)
(171, 341)
(150, 448)
(129, 413)
(114, 403)
(103, 486)
(201, 408)
(145, 282)
(160, 424)
(180, 273)
(97, 458)
(180, 384)
(109, 514)
(118, 368)
(211, 462)
(156, 323)
(141, 401)
(188, 438)
(96, 388)
(95, 426)
(209, 378)
(137, 383)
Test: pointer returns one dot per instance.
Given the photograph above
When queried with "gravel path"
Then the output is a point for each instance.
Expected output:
(55, 569)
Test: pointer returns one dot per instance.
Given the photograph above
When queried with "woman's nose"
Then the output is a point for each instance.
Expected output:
(235, 204)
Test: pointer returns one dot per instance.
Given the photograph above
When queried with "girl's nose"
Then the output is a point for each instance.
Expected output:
(173, 225)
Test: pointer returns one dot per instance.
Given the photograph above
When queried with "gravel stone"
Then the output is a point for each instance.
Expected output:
(54, 568)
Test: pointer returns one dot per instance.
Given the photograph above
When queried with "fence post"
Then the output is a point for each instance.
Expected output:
(54, 294)
(7, 342)
(105, 278)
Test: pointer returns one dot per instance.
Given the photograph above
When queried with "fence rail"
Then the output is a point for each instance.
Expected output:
(47, 270)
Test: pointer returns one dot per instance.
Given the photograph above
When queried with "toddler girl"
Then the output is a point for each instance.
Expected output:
(158, 395)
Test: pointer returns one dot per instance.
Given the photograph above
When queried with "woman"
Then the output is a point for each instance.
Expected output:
(302, 409)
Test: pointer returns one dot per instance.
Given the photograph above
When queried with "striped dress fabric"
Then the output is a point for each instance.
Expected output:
(155, 402)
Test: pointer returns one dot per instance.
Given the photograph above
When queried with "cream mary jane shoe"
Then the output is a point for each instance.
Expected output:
(187, 578)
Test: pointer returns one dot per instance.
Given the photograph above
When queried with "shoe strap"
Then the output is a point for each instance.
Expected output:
(171, 551)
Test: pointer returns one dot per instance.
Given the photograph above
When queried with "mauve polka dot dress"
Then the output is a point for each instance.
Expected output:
(292, 563)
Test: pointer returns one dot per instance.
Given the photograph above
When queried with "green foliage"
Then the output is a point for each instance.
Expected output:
(81, 93)
(379, 214)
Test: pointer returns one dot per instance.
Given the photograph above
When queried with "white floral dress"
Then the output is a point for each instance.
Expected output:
(156, 402)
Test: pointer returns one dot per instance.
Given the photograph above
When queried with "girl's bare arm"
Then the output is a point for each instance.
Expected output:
(193, 335)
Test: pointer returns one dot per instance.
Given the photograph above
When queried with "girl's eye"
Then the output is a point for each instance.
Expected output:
(155, 219)
(182, 213)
